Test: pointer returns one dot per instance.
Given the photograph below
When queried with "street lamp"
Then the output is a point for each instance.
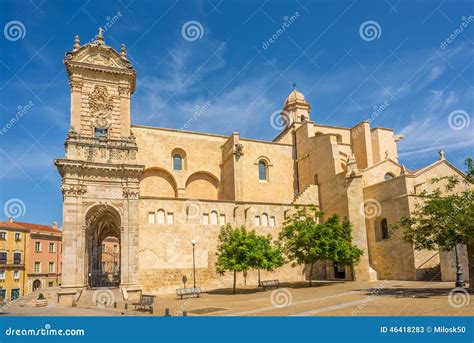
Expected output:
(193, 242)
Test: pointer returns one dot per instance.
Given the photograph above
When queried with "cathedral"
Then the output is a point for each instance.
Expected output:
(163, 194)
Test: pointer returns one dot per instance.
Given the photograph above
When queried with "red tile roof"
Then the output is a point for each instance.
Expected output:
(29, 226)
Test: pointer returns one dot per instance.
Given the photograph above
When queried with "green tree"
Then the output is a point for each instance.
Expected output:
(306, 241)
(266, 255)
(234, 250)
(443, 219)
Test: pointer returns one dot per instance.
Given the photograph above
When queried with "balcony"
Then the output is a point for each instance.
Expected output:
(12, 263)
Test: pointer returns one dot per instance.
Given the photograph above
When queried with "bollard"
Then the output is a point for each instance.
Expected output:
(126, 306)
(185, 313)
(115, 304)
(151, 309)
(167, 312)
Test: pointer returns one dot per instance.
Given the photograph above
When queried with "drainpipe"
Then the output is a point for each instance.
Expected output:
(24, 264)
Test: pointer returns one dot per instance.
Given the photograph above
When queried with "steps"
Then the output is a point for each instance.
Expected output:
(101, 297)
(30, 300)
(432, 274)
(310, 196)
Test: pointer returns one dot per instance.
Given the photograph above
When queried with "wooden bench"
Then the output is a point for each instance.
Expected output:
(195, 291)
(145, 303)
(269, 284)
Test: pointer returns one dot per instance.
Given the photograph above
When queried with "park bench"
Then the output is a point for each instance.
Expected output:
(145, 303)
(195, 291)
(269, 284)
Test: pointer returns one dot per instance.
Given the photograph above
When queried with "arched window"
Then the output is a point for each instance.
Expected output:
(160, 216)
(389, 176)
(177, 162)
(262, 171)
(264, 219)
(384, 229)
(256, 221)
(213, 218)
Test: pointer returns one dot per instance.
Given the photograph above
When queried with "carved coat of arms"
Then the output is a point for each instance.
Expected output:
(101, 105)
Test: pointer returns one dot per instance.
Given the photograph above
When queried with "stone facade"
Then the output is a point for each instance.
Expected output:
(156, 189)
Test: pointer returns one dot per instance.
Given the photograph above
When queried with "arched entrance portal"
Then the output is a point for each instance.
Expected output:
(36, 285)
(103, 251)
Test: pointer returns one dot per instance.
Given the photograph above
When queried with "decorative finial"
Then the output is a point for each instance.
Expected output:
(404, 170)
(100, 36)
(77, 42)
(294, 85)
(441, 154)
(351, 159)
(123, 52)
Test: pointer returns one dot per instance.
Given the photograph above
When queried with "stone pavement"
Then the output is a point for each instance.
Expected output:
(380, 298)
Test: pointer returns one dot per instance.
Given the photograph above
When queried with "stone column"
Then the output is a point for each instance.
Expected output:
(124, 93)
(355, 199)
(76, 94)
(129, 239)
(73, 243)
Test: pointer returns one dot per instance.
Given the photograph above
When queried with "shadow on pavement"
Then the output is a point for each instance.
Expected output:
(407, 292)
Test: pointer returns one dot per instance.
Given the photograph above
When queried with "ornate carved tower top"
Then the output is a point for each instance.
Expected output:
(101, 81)
(295, 108)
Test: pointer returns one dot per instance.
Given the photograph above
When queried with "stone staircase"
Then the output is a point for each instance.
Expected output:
(432, 274)
(102, 297)
(30, 300)
(310, 196)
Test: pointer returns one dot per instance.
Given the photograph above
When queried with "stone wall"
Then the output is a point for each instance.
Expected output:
(165, 250)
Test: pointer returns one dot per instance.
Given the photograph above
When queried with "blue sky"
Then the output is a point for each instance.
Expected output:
(406, 64)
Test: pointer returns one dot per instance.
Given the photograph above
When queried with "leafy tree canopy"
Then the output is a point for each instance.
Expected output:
(305, 240)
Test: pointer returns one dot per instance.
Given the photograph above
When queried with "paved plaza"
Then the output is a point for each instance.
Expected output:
(382, 298)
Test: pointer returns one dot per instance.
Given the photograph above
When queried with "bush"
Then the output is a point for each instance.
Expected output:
(41, 297)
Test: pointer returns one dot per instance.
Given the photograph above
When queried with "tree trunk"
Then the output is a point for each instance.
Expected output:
(258, 276)
(235, 281)
(311, 275)
(470, 260)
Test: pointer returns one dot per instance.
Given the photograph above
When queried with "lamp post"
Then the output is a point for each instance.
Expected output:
(459, 277)
(193, 242)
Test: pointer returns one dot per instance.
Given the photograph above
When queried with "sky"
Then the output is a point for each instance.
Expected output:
(405, 65)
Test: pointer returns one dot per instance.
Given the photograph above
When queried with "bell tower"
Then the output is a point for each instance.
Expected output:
(295, 108)
(101, 81)
(100, 176)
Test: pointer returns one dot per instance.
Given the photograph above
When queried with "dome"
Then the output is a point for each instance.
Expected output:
(294, 96)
